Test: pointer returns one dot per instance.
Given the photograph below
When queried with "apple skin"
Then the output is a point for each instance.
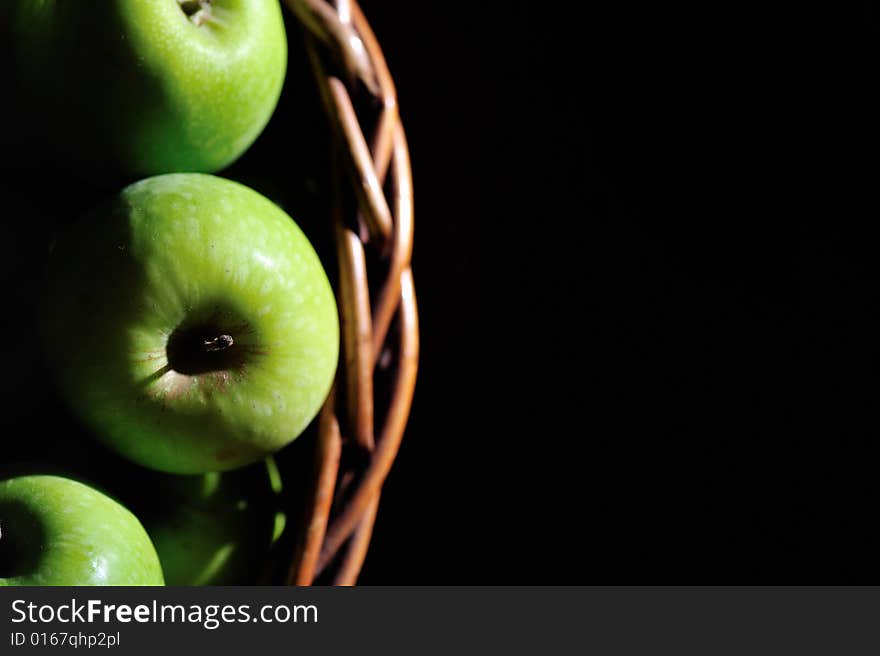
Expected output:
(136, 288)
(57, 531)
(139, 88)
(212, 529)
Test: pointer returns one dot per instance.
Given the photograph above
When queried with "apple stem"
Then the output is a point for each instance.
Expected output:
(219, 343)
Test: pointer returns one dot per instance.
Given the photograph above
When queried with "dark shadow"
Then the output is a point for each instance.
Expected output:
(22, 538)
(203, 349)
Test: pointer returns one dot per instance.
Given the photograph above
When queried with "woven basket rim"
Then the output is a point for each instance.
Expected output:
(378, 313)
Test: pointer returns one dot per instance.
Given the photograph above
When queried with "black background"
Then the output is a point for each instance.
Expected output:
(645, 263)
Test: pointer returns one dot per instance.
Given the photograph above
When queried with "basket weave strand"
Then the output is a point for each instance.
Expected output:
(338, 523)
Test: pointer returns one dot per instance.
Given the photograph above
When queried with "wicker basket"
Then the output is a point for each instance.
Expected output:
(365, 415)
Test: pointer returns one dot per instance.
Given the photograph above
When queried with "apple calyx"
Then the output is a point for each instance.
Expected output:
(202, 350)
(198, 11)
(218, 343)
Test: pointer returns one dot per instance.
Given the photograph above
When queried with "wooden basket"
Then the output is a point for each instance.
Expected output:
(365, 415)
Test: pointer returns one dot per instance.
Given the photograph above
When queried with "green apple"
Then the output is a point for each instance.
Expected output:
(149, 86)
(56, 531)
(212, 529)
(190, 324)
